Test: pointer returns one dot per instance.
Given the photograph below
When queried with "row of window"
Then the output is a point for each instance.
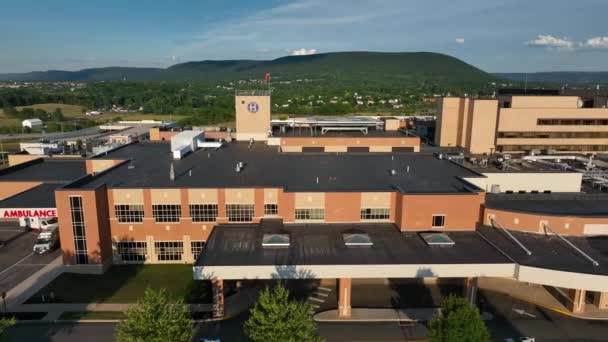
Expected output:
(79, 230)
(137, 251)
(171, 213)
(572, 122)
(566, 148)
(553, 135)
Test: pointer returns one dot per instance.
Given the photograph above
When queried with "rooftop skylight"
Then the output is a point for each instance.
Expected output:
(275, 240)
(437, 239)
(357, 240)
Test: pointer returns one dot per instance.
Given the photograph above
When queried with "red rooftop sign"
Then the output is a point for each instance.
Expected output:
(25, 212)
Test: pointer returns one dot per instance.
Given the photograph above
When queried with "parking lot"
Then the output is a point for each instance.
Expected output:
(17, 261)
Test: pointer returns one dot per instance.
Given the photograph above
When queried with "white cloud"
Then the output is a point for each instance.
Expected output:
(552, 42)
(460, 40)
(596, 43)
(301, 52)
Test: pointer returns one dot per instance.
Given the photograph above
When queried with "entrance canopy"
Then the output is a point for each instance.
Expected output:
(326, 251)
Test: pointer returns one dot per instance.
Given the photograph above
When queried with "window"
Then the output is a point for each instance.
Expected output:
(239, 212)
(310, 214)
(375, 213)
(271, 209)
(78, 227)
(197, 248)
(438, 221)
(553, 135)
(577, 122)
(132, 251)
(203, 212)
(166, 212)
(169, 250)
(129, 213)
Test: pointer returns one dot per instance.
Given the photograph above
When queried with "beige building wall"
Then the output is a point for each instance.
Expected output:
(240, 196)
(16, 159)
(202, 196)
(310, 200)
(448, 126)
(341, 149)
(481, 126)
(128, 196)
(391, 124)
(249, 124)
(165, 196)
(526, 119)
(271, 196)
(376, 200)
(519, 181)
(536, 102)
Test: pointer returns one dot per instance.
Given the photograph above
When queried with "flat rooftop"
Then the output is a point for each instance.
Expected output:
(266, 167)
(559, 204)
(45, 170)
(550, 252)
(323, 244)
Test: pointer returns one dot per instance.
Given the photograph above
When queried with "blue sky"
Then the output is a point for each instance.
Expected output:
(497, 36)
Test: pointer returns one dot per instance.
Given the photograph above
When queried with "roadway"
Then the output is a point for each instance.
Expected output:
(17, 261)
(506, 318)
(82, 133)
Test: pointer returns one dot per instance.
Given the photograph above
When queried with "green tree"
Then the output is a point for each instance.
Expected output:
(6, 323)
(156, 318)
(458, 322)
(277, 318)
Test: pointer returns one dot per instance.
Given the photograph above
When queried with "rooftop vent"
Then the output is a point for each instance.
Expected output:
(275, 241)
(357, 240)
(437, 239)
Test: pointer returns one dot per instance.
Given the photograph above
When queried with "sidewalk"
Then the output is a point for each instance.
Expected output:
(537, 295)
(379, 315)
(234, 305)
(22, 291)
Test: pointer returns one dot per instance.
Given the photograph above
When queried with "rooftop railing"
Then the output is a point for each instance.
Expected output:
(252, 92)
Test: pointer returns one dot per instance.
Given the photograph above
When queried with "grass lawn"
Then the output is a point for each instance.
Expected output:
(9, 122)
(125, 284)
(92, 315)
(67, 109)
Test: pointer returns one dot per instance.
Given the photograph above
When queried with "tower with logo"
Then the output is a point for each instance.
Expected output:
(252, 114)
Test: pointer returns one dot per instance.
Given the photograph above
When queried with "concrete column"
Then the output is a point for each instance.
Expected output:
(600, 299)
(344, 287)
(187, 255)
(218, 297)
(577, 297)
(471, 290)
(152, 258)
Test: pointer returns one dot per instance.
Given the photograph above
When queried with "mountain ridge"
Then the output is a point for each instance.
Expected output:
(346, 66)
